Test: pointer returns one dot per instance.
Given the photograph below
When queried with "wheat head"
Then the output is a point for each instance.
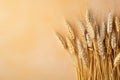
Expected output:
(61, 39)
(117, 60)
(110, 23)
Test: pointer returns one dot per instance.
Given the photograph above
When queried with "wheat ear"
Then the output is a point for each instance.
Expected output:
(71, 33)
(61, 39)
(89, 26)
(82, 33)
(101, 47)
(102, 31)
(117, 60)
(110, 23)
(89, 42)
(70, 46)
(81, 27)
(113, 40)
(117, 23)
(81, 52)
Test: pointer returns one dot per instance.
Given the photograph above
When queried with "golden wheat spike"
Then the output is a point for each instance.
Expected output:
(82, 33)
(89, 26)
(70, 45)
(117, 60)
(71, 33)
(101, 47)
(61, 39)
(81, 27)
(110, 23)
(117, 23)
(89, 42)
(103, 31)
(81, 52)
(113, 40)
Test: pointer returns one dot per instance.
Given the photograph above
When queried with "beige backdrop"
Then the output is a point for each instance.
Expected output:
(29, 49)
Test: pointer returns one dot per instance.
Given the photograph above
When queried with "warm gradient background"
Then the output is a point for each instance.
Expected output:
(29, 49)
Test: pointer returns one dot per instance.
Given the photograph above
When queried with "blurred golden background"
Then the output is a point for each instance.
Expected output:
(29, 49)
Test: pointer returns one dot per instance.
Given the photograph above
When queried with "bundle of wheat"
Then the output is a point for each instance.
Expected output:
(97, 50)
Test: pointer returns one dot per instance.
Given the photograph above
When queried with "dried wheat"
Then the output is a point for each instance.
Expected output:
(102, 31)
(70, 46)
(82, 52)
(113, 40)
(110, 23)
(117, 23)
(101, 47)
(102, 41)
(81, 27)
(89, 26)
(71, 33)
(117, 60)
(82, 33)
(89, 42)
(61, 39)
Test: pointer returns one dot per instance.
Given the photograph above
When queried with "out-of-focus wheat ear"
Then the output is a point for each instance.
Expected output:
(82, 53)
(70, 45)
(102, 31)
(117, 24)
(81, 27)
(117, 60)
(113, 40)
(82, 33)
(71, 33)
(89, 26)
(61, 39)
(89, 42)
(110, 23)
(101, 47)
